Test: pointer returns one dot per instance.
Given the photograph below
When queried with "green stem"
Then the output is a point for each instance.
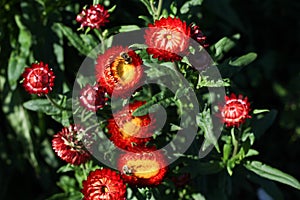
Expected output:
(95, 2)
(98, 32)
(159, 7)
(55, 104)
(235, 143)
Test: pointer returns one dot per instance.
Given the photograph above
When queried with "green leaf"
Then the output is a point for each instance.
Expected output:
(148, 6)
(41, 105)
(173, 7)
(18, 57)
(258, 111)
(224, 45)
(268, 172)
(74, 39)
(269, 186)
(18, 118)
(188, 4)
(243, 60)
(204, 121)
(124, 28)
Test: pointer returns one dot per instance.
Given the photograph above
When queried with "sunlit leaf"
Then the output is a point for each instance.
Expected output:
(272, 173)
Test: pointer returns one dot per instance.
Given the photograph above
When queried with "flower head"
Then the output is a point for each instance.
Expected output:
(128, 131)
(38, 79)
(92, 97)
(235, 111)
(143, 168)
(119, 71)
(167, 38)
(71, 144)
(93, 17)
(104, 184)
(197, 35)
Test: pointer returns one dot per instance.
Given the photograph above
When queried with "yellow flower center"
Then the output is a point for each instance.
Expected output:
(144, 168)
(124, 72)
(132, 127)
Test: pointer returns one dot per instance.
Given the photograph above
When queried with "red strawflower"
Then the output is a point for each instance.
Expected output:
(197, 35)
(129, 132)
(38, 79)
(143, 168)
(103, 184)
(235, 111)
(167, 38)
(119, 70)
(71, 144)
(93, 17)
(92, 97)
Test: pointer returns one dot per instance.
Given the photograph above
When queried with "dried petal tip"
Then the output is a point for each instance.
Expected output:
(71, 144)
(93, 17)
(38, 79)
(235, 111)
(104, 184)
(197, 35)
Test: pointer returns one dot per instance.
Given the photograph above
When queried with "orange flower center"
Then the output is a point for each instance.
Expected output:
(122, 71)
(142, 168)
(132, 127)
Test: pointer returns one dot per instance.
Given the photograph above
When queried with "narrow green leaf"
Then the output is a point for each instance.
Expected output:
(204, 121)
(148, 6)
(224, 45)
(173, 7)
(271, 173)
(258, 111)
(188, 4)
(243, 60)
(18, 57)
(41, 105)
(124, 28)
(269, 186)
(74, 39)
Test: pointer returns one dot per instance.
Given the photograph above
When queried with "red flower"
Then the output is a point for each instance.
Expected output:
(94, 17)
(235, 111)
(129, 132)
(103, 184)
(197, 35)
(71, 145)
(167, 38)
(119, 70)
(143, 168)
(92, 97)
(38, 79)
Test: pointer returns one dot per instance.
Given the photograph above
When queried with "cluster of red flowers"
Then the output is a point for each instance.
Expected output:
(118, 72)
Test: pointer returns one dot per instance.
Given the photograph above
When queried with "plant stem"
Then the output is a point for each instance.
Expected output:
(95, 2)
(235, 143)
(55, 104)
(159, 7)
